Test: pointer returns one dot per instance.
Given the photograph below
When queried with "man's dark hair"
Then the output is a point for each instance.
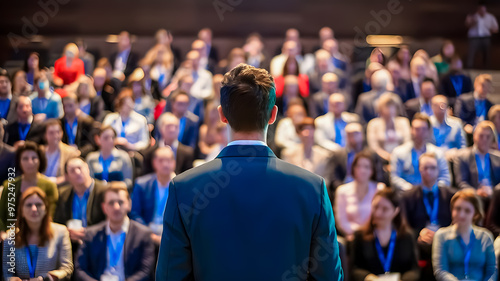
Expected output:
(428, 79)
(247, 98)
(4, 73)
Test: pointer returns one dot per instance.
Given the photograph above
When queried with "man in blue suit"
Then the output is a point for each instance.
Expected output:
(247, 215)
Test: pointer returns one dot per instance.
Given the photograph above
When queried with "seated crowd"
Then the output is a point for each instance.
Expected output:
(409, 153)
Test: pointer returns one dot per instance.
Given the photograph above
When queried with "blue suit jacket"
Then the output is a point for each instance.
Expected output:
(138, 251)
(248, 215)
(143, 199)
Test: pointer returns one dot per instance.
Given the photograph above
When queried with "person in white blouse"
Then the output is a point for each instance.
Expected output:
(353, 201)
(130, 126)
(388, 131)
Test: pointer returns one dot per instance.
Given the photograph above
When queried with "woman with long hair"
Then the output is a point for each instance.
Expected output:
(42, 248)
(385, 246)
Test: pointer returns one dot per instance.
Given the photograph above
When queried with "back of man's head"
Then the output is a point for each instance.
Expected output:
(247, 98)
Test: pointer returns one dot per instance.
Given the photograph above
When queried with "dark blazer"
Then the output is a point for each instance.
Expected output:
(132, 60)
(410, 92)
(447, 88)
(465, 168)
(465, 108)
(35, 133)
(97, 108)
(85, 132)
(138, 253)
(12, 113)
(412, 106)
(183, 159)
(365, 259)
(143, 199)
(366, 110)
(336, 170)
(191, 130)
(7, 160)
(416, 215)
(64, 209)
(317, 104)
(228, 206)
(493, 214)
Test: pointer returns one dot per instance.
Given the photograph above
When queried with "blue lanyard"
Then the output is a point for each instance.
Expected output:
(80, 207)
(43, 102)
(467, 251)
(483, 172)
(441, 135)
(31, 261)
(480, 108)
(124, 124)
(182, 126)
(115, 252)
(70, 131)
(105, 166)
(23, 132)
(432, 212)
(339, 125)
(4, 108)
(161, 201)
(52, 166)
(386, 260)
(458, 82)
(414, 161)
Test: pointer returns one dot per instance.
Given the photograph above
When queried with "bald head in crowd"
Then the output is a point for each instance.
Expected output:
(329, 83)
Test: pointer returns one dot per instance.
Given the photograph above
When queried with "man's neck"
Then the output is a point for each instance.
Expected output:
(4, 95)
(116, 226)
(41, 94)
(81, 188)
(258, 136)
(481, 152)
(357, 148)
(419, 146)
(428, 185)
(106, 153)
(163, 179)
(52, 147)
(440, 118)
(179, 115)
(307, 148)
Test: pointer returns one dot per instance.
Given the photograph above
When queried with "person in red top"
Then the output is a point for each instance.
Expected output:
(292, 67)
(68, 68)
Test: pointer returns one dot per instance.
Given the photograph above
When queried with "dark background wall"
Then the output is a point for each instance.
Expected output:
(418, 19)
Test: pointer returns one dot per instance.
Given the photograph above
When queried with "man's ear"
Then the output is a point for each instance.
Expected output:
(274, 114)
(223, 118)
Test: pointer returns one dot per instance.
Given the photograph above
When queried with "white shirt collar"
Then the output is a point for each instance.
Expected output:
(247, 142)
(125, 226)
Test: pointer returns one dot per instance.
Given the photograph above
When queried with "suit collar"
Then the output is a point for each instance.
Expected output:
(246, 151)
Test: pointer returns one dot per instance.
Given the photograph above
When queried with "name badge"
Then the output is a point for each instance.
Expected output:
(389, 277)
(433, 227)
(109, 277)
(74, 224)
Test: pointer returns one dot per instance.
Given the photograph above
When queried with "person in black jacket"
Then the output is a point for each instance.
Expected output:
(426, 208)
(386, 245)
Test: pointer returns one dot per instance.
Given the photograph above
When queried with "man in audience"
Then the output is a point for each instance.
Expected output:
(124, 60)
(188, 122)
(366, 105)
(339, 61)
(333, 137)
(427, 208)
(26, 127)
(318, 103)
(118, 248)
(405, 158)
(447, 131)
(456, 81)
(323, 64)
(44, 102)
(478, 166)
(290, 48)
(286, 131)
(56, 152)
(418, 70)
(7, 101)
(339, 165)
(151, 192)
(79, 204)
(481, 26)
(363, 84)
(168, 129)
(78, 127)
(473, 108)
(212, 54)
(202, 78)
(422, 103)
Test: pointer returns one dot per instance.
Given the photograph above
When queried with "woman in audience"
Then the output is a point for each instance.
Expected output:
(42, 248)
(494, 116)
(386, 132)
(208, 130)
(431, 70)
(385, 247)
(90, 103)
(403, 58)
(464, 250)
(32, 67)
(31, 162)
(109, 163)
(20, 85)
(69, 67)
(291, 67)
(130, 126)
(353, 201)
(160, 61)
(144, 103)
(443, 59)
